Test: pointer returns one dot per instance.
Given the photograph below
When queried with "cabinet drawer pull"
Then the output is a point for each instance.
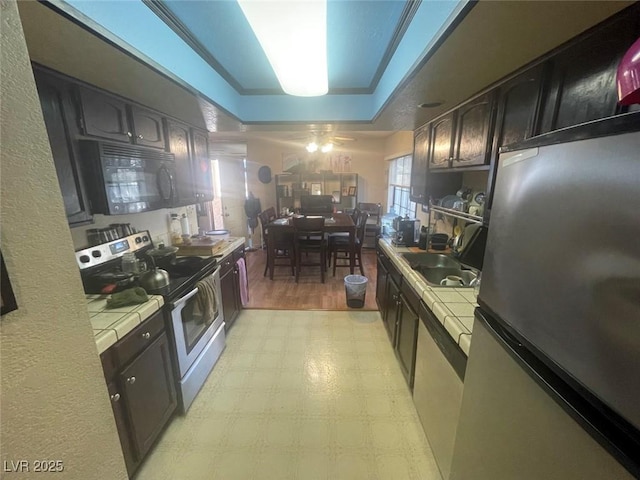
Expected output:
(129, 134)
(146, 335)
(115, 397)
(140, 137)
(131, 380)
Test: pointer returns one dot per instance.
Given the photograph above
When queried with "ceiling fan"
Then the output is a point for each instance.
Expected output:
(323, 141)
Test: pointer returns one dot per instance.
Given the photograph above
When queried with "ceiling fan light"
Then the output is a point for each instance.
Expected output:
(293, 35)
(327, 147)
(312, 147)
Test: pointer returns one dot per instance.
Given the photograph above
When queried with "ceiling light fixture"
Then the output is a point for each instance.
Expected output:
(324, 147)
(293, 35)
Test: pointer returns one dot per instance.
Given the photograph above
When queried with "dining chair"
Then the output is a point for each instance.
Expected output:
(267, 216)
(343, 236)
(309, 237)
(264, 221)
(280, 247)
(341, 245)
(271, 213)
(372, 230)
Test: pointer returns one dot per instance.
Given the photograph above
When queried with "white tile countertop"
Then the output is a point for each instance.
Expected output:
(112, 324)
(453, 306)
(229, 245)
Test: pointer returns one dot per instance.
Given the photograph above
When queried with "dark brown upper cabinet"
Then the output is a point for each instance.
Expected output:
(517, 105)
(516, 118)
(147, 127)
(420, 160)
(441, 151)
(201, 165)
(58, 112)
(461, 138)
(582, 84)
(473, 129)
(106, 116)
(178, 137)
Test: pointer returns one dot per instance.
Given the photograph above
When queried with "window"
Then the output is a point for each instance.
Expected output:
(399, 183)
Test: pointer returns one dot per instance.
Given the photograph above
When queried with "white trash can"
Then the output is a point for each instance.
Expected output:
(356, 289)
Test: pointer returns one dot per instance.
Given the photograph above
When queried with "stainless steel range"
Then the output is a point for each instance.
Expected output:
(193, 304)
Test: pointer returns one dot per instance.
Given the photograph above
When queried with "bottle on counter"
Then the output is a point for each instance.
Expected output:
(176, 230)
(424, 234)
(184, 225)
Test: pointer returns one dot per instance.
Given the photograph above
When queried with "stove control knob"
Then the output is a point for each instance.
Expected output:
(138, 240)
(96, 254)
(85, 258)
(145, 239)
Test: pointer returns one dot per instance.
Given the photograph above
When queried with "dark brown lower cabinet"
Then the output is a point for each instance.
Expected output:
(150, 394)
(230, 286)
(407, 332)
(141, 388)
(381, 281)
(391, 313)
(119, 414)
(398, 305)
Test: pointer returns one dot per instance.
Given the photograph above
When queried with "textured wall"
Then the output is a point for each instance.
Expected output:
(398, 144)
(54, 402)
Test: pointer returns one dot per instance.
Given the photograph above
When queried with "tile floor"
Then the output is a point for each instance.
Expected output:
(299, 395)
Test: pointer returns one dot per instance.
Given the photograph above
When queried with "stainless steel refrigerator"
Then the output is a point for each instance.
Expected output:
(552, 388)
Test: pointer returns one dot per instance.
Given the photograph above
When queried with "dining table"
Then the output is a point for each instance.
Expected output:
(333, 223)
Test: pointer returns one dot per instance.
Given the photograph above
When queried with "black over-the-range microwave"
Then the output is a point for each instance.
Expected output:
(127, 178)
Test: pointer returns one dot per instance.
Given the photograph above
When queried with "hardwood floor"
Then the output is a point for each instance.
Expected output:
(309, 294)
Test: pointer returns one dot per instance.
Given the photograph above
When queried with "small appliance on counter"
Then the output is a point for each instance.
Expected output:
(407, 232)
(438, 241)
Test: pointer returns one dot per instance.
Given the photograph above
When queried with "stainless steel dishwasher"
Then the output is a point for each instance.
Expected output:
(437, 388)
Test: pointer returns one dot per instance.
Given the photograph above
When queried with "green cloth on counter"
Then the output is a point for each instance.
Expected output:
(131, 296)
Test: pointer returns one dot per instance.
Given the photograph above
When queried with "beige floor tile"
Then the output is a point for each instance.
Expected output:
(299, 395)
(314, 466)
(314, 434)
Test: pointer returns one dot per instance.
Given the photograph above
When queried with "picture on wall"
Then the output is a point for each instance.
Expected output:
(316, 189)
(335, 196)
(7, 299)
(352, 191)
(345, 191)
(338, 162)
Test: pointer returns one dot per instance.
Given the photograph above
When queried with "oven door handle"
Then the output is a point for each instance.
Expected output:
(183, 299)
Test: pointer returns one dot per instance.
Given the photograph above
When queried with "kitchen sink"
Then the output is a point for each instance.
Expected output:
(431, 260)
(434, 275)
(435, 267)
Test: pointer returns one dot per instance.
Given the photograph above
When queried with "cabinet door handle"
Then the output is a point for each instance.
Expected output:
(115, 397)
(131, 380)
(140, 137)
(129, 134)
(146, 335)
